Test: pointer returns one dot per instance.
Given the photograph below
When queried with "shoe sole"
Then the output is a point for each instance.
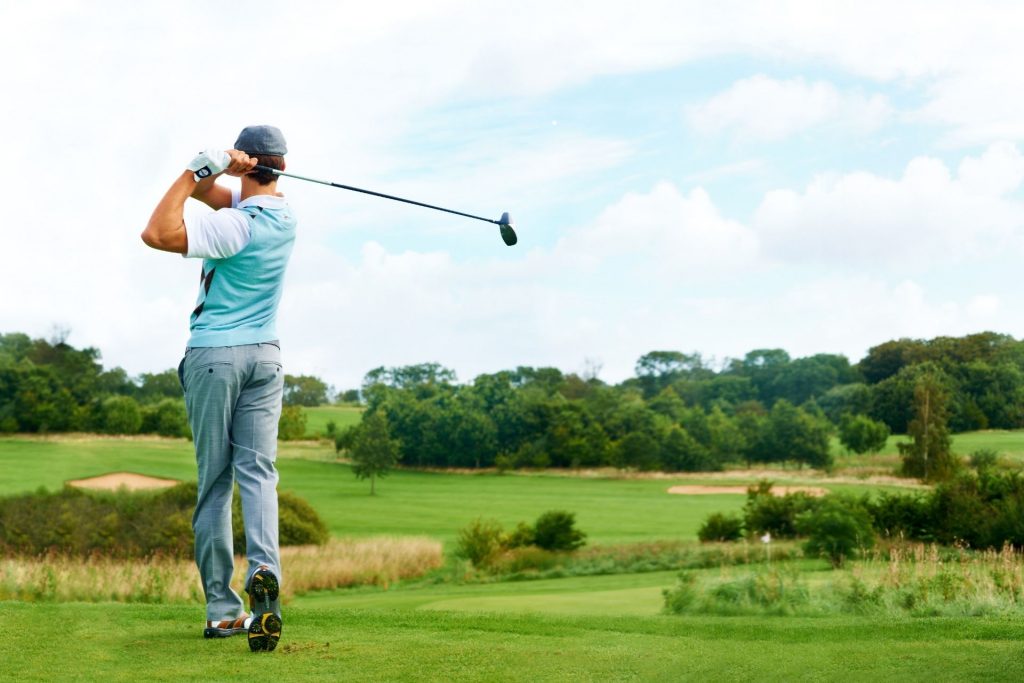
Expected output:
(211, 632)
(264, 632)
(264, 588)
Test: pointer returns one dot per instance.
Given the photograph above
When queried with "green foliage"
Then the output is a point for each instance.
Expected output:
(984, 459)
(929, 455)
(837, 528)
(292, 423)
(373, 451)
(304, 390)
(479, 541)
(777, 515)
(130, 524)
(556, 530)
(792, 434)
(166, 417)
(121, 415)
(860, 434)
(776, 590)
(720, 527)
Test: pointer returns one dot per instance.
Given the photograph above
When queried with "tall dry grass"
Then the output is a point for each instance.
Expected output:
(338, 564)
(898, 580)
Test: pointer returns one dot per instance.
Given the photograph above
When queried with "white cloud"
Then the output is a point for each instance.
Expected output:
(663, 232)
(762, 108)
(926, 218)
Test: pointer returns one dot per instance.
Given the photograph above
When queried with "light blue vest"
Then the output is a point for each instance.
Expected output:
(238, 295)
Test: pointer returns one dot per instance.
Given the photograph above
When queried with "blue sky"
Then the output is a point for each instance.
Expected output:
(819, 177)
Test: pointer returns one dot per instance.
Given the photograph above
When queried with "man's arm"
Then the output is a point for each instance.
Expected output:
(166, 228)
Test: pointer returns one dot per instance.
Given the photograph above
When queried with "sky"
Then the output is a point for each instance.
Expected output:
(704, 177)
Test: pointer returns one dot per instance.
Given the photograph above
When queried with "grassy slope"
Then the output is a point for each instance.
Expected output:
(147, 642)
(408, 503)
(343, 416)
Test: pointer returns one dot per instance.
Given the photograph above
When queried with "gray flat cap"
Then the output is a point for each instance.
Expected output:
(262, 140)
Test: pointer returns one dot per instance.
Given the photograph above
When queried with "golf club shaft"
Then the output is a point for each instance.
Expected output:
(377, 194)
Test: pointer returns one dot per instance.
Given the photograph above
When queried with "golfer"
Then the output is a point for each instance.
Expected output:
(231, 372)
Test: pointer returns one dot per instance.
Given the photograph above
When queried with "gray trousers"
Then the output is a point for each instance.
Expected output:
(233, 396)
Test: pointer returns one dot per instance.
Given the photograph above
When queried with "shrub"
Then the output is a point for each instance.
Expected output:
(720, 527)
(522, 535)
(556, 530)
(766, 513)
(984, 459)
(525, 559)
(129, 524)
(121, 415)
(292, 425)
(837, 529)
(166, 417)
(479, 541)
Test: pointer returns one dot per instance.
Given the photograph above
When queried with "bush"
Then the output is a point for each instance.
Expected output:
(292, 425)
(984, 459)
(129, 524)
(720, 527)
(766, 513)
(479, 542)
(523, 535)
(166, 417)
(837, 529)
(121, 415)
(556, 530)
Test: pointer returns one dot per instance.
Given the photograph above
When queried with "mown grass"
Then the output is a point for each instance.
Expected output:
(408, 503)
(163, 643)
(342, 416)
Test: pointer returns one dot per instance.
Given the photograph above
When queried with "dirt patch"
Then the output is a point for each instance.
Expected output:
(699, 490)
(128, 480)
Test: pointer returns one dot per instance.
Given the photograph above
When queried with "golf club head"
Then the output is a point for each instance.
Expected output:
(508, 235)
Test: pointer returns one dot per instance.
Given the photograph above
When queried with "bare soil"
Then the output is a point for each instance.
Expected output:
(701, 490)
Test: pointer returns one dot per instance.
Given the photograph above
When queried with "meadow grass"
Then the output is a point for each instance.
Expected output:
(338, 564)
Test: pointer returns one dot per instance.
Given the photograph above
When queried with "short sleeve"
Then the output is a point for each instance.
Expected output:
(217, 235)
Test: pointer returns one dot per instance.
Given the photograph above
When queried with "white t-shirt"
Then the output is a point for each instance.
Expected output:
(225, 232)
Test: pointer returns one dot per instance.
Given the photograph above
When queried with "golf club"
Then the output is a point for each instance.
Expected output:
(508, 235)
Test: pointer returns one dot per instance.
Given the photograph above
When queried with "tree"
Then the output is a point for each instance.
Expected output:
(304, 390)
(790, 433)
(837, 528)
(121, 415)
(860, 434)
(373, 452)
(928, 455)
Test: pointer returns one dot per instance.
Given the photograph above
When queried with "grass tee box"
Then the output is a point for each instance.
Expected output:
(152, 642)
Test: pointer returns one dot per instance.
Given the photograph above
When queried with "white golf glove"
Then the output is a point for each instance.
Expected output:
(209, 162)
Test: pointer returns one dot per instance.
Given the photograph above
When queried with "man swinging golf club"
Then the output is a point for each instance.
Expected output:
(231, 373)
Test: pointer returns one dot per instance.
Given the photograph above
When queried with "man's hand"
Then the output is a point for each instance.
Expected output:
(209, 162)
(240, 163)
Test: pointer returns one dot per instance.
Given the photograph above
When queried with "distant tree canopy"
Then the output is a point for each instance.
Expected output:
(680, 412)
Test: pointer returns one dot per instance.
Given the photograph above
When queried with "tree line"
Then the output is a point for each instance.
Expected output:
(50, 386)
(679, 412)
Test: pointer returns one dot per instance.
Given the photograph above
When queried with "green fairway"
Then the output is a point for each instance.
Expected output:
(148, 642)
(408, 502)
(342, 416)
(435, 504)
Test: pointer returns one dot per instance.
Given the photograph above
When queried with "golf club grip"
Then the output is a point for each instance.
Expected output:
(377, 194)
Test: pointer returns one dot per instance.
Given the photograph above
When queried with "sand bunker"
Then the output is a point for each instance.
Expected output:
(129, 480)
(697, 490)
